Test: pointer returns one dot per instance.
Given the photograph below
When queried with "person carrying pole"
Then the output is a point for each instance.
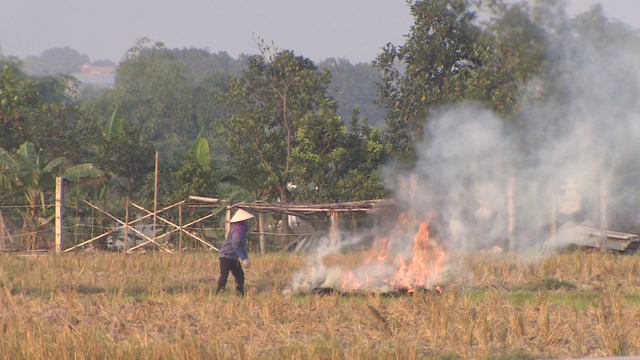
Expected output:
(234, 251)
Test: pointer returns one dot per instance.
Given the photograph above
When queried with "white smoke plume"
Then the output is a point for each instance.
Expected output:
(493, 182)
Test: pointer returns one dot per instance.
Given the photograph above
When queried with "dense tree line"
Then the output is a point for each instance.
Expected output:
(280, 127)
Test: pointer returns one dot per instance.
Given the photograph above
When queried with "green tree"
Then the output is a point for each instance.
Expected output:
(519, 40)
(286, 139)
(445, 59)
(126, 154)
(333, 165)
(56, 61)
(38, 110)
(354, 84)
(19, 101)
(203, 63)
(159, 94)
(268, 103)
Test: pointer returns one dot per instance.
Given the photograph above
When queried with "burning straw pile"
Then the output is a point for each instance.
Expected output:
(403, 260)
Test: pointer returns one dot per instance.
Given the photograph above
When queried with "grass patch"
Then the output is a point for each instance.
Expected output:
(544, 284)
(514, 355)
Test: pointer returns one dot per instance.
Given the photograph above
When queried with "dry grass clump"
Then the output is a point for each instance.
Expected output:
(163, 306)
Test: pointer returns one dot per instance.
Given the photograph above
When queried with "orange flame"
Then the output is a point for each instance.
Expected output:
(425, 260)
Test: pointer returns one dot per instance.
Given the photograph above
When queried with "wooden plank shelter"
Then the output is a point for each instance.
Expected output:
(616, 241)
(304, 211)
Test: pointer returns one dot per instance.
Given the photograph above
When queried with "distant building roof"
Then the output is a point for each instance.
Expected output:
(88, 69)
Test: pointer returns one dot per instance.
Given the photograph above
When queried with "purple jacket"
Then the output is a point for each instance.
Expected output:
(235, 245)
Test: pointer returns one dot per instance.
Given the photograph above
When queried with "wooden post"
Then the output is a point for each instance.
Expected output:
(261, 228)
(227, 221)
(6, 231)
(58, 223)
(92, 225)
(333, 234)
(511, 211)
(2, 243)
(603, 213)
(126, 228)
(554, 218)
(354, 222)
(180, 227)
(75, 231)
(155, 201)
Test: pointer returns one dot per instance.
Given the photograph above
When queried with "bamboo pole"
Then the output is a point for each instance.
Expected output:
(149, 238)
(92, 222)
(58, 223)
(180, 224)
(262, 235)
(93, 238)
(155, 200)
(75, 231)
(603, 213)
(126, 228)
(510, 209)
(174, 230)
(333, 235)
(128, 223)
(2, 231)
(177, 227)
(554, 218)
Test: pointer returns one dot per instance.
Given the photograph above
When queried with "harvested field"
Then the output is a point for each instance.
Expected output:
(108, 305)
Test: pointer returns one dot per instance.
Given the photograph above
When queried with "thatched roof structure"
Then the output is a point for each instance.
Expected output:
(306, 209)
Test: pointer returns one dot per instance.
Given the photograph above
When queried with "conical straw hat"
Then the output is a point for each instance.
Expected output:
(241, 215)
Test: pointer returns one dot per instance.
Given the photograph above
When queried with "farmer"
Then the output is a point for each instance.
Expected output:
(233, 250)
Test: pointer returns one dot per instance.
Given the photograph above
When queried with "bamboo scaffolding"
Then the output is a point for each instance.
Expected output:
(300, 210)
(162, 248)
(93, 239)
(177, 227)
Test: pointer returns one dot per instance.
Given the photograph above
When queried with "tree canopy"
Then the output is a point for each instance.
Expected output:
(283, 131)
(446, 59)
(56, 61)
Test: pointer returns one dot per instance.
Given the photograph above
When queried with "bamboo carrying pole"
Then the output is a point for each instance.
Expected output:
(58, 223)
(261, 228)
(227, 221)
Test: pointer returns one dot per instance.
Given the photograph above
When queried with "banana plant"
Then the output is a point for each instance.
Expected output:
(230, 186)
(200, 149)
(26, 172)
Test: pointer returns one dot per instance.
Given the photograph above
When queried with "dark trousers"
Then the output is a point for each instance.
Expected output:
(234, 266)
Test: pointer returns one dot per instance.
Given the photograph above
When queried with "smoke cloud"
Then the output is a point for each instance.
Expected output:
(525, 184)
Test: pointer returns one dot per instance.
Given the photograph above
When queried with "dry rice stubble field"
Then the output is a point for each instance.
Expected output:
(107, 305)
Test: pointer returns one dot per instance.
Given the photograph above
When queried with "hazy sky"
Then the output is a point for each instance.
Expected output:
(351, 29)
